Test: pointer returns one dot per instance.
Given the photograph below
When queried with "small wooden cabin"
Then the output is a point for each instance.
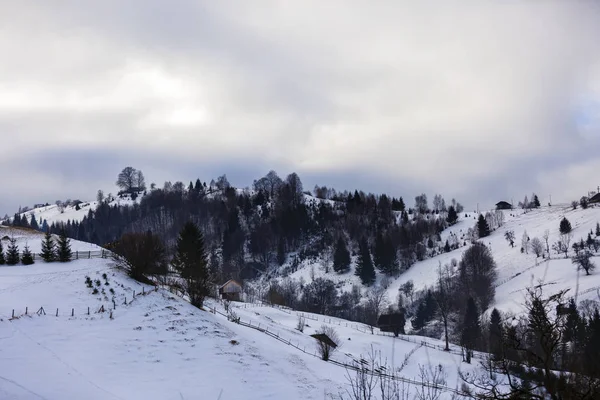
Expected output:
(503, 205)
(393, 322)
(231, 290)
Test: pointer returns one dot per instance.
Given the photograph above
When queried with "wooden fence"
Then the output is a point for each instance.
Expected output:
(81, 255)
(81, 310)
(359, 366)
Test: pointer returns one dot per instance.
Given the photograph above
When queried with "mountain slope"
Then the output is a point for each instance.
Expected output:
(158, 346)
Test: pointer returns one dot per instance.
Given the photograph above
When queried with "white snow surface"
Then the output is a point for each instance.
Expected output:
(158, 346)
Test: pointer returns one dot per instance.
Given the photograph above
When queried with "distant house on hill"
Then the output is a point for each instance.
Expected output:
(503, 205)
(595, 199)
(231, 290)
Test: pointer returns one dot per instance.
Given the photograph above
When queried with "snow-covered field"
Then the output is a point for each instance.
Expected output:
(157, 346)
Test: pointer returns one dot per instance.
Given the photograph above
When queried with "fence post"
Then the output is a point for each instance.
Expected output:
(13, 314)
(72, 312)
(134, 294)
(88, 311)
(57, 312)
(89, 254)
(143, 289)
(25, 310)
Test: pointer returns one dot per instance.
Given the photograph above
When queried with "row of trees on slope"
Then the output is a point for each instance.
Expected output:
(51, 251)
(551, 352)
(145, 259)
(248, 231)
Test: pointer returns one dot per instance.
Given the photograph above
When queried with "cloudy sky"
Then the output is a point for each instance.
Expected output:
(475, 100)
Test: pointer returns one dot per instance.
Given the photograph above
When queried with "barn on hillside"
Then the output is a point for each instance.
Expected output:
(595, 199)
(231, 290)
(503, 205)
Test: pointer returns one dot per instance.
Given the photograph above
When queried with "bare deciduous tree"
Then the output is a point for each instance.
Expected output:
(546, 240)
(324, 348)
(537, 246)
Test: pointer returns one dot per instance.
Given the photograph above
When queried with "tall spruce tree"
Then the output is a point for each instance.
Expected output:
(471, 331)
(483, 229)
(34, 224)
(27, 256)
(364, 268)
(597, 228)
(48, 253)
(536, 201)
(565, 226)
(63, 250)
(190, 261)
(2, 259)
(452, 215)
(281, 252)
(496, 332)
(12, 252)
(341, 256)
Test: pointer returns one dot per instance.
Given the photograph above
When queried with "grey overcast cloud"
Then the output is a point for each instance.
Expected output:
(476, 100)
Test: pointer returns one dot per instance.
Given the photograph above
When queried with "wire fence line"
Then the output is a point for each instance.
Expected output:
(375, 331)
(357, 366)
(76, 311)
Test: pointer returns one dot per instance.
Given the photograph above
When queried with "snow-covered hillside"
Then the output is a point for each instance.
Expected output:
(516, 270)
(156, 345)
(54, 213)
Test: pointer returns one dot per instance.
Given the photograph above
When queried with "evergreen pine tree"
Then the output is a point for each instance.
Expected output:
(2, 259)
(592, 347)
(452, 215)
(34, 224)
(597, 228)
(401, 205)
(48, 253)
(379, 253)
(536, 201)
(63, 251)
(571, 323)
(496, 333)
(191, 263)
(364, 268)
(27, 256)
(12, 252)
(281, 252)
(447, 247)
(482, 227)
(341, 257)
(565, 226)
(471, 331)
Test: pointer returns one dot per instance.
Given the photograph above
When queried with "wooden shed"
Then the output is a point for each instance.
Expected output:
(231, 290)
(503, 205)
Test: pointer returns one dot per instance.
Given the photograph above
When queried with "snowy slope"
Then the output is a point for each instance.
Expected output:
(33, 239)
(516, 270)
(156, 345)
(52, 213)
